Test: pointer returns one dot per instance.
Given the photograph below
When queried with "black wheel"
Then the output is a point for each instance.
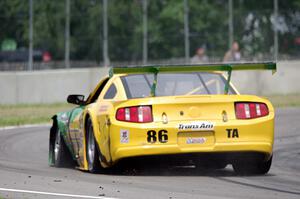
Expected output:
(59, 156)
(252, 167)
(92, 153)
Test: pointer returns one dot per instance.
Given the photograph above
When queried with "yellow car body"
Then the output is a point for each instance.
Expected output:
(182, 124)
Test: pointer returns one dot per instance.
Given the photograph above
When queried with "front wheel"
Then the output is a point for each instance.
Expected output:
(254, 167)
(91, 150)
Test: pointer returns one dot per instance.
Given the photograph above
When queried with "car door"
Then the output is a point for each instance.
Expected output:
(75, 129)
(76, 123)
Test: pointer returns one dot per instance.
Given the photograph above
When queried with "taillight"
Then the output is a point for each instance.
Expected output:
(139, 114)
(250, 110)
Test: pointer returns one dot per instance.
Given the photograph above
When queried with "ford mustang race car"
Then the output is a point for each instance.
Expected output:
(184, 112)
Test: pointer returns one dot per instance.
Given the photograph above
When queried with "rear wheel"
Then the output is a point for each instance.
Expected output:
(59, 156)
(92, 153)
(252, 167)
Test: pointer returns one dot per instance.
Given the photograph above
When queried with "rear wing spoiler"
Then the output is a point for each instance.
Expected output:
(226, 67)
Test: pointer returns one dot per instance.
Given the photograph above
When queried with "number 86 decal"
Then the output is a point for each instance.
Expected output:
(162, 136)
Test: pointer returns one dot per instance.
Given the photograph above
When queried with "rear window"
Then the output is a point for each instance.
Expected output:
(171, 84)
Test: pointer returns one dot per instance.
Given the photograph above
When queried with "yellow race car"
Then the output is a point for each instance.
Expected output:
(187, 113)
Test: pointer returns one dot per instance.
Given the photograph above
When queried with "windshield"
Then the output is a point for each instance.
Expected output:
(172, 84)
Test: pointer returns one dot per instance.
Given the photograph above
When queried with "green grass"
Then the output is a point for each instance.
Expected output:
(11, 115)
(21, 114)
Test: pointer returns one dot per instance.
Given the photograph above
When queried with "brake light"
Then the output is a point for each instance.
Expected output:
(139, 114)
(250, 110)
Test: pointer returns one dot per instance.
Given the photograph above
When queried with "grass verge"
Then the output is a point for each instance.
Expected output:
(21, 114)
(11, 115)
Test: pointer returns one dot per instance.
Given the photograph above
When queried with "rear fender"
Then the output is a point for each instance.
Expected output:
(103, 160)
(52, 135)
(61, 122)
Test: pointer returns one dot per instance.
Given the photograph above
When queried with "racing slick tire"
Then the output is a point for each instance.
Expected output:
(252, 167)
(92, 153)
(59, 155)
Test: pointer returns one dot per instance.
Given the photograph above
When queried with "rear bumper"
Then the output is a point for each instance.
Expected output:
(134, 151)
(255, 135)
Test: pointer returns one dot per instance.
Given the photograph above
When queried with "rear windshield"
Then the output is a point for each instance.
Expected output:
(171, 84)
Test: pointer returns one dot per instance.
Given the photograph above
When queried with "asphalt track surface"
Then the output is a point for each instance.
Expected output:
(23, 166)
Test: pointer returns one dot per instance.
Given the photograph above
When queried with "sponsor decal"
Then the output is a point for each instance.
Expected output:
(197, 126)
(64, 118)
(81, 121)
(103, 108)
(232, 133)
(124, 136)
(199, 140)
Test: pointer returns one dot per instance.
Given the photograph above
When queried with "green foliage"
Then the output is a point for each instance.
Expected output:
(253, 27)
(209, 26)
(49, 27)
(125, 30)
(12, 25)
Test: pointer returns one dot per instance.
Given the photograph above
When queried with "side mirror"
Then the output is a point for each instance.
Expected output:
(76, 99)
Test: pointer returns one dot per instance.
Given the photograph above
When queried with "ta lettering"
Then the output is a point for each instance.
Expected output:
(232, 133)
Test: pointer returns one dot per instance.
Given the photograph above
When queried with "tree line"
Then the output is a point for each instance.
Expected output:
(208, 26)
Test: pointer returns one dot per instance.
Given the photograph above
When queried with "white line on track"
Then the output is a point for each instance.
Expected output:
(52, 194)
(25, 126)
